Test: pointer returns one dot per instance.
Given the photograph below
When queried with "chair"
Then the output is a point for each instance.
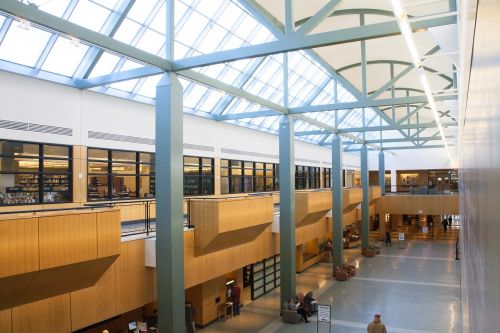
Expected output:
(341, 275)
(368, 252)
(290, 316)
(351, 269)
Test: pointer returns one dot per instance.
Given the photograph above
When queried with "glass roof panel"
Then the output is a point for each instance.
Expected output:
(55, 8)
(159, 23)
(65, 56)
(127, 31)
(210, 100)
(86, 9)
(148, 88)
(151, 42)
(110, 4)
(190, 33)
(105, 65)
(23, 46)
(141, 10)
(127, 86)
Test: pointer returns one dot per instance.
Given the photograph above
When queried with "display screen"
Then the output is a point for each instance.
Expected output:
(132, 325)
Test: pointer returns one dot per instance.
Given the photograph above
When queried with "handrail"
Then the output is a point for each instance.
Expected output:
(34, 211)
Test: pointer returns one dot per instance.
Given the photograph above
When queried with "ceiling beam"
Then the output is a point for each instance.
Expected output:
(400, 148)
(319, 17)
(393, 140)
(247, 115)
(54, 23)
(393, 127)
(296, 42)
(367, 103)
(131, 74)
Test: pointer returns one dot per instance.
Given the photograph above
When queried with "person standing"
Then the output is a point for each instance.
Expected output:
(388, 241)
(236, 299)
(445, 224)
(376, 326)
(450, 219)
(190, 314)
(328, 250)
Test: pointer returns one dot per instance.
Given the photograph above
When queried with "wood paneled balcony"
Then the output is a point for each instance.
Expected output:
(48, 254)
(311, 206)
(418, 204)
(225, 222)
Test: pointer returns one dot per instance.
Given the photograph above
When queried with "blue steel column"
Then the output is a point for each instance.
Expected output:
(365, 206)
(381, 171)
(338, 211)
(287, 208)
(169, 192)
(169, 187)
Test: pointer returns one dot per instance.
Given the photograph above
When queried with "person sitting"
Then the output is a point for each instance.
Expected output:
(296, 306)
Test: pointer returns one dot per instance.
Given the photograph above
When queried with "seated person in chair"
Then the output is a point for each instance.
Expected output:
(296, 306)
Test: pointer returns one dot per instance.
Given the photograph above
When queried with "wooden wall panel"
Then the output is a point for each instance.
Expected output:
(216, 264)
(94, 304)
(211, 290)
(6, 321)
(134, 281)
(67, 239)
(49, 315)
(18, 246)
(239, 215)
(108, 233)
(413, 204)
(236, 257)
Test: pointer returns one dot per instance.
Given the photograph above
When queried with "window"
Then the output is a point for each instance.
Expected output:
(244, 176)
(306, 177)
(118, 174)
(198, 175)
(327, 177)
(32, 173)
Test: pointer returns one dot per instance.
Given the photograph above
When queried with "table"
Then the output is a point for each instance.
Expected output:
(222, 309)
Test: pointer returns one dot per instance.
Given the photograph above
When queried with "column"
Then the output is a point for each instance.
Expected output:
(337, 211)
(394, 187)
(169, 217)
(287, 208)
(381, 171)
(365, 205)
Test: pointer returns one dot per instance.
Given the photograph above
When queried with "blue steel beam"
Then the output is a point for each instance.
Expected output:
(250, 114)
(381, 171)
(319, 17)
(368, 103)
(117, 77)
(402, 148)
(296, 42)
(394, 127)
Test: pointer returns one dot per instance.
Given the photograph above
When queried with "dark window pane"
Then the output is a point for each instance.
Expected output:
(248, 184)
(224, 163)
(18, 164)
(249, 165)
(259, 173)
(146, 187)
(224, 185)
(97, 187)
(224, 172)
(56, 151)
(123, 187)
(207, 185)
(56, 188)
(259, 165)
(18, 189)
(123, 156)
(97, 154)
(236, 184)
(124, 168)
(192, 185)
(259, 184)
(12, 148)
(98, 167)
(55, 166)
(269, 184)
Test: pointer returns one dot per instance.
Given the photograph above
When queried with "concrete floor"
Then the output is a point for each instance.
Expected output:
(416, 290)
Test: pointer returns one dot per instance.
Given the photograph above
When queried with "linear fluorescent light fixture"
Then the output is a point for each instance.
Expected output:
(405, 28)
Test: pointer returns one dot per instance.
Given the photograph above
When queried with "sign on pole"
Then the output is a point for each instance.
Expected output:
(401, 240)
(425, 230)
(324, 316)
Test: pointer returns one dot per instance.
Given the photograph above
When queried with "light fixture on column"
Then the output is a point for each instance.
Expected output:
(406, 31)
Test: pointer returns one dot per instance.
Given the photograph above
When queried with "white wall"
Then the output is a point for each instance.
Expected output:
(411, 159)
(30, 100)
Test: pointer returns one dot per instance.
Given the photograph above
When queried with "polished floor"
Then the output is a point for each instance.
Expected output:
(416, 290)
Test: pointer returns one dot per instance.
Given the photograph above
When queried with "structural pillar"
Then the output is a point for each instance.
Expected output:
(381, 171)
(338, 206)
(365, 205)
(287, 208)
(169, 214)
